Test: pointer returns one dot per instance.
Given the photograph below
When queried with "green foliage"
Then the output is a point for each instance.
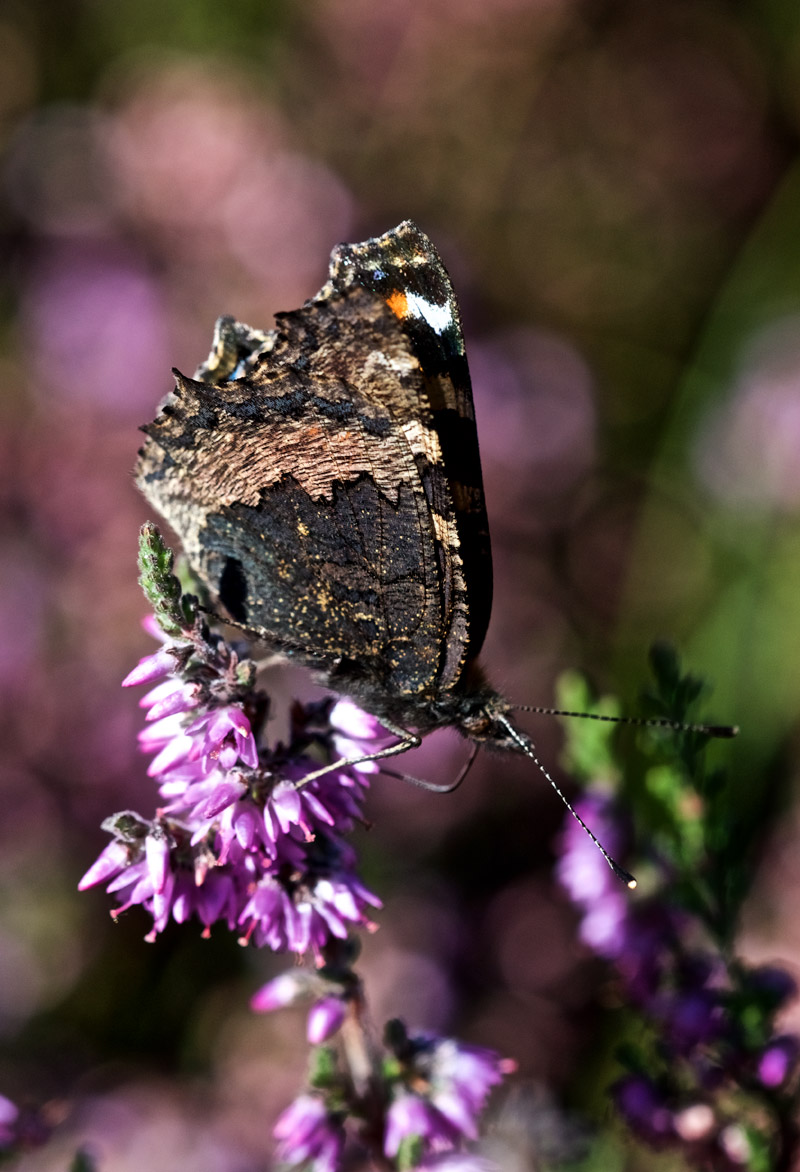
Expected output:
(736, 560)
(690, 847)
(76, 42)
(410, 1153)
(324, 1073)
(679, 805)
(589, 750)
(174, 611)
(83, 1162)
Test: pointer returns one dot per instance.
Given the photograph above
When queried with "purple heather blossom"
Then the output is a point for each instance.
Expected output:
(603, 925)
(355, 733)
(778, 1060)
(774, 984)
(285, 989)
(217, 898)
(441, 1093)
(308, 1133)
(111, 860)
(156, 850)
(151, 667)
(335, 799)
(458, 1162)
(135, 885)
(651, 937)
(227, 736)
(461, 1077)
(644, 1108)
(310, 916)
(690, 1018)
(413, 1117)
(221, 792)
(326, 1014)
(169, 697)
(324, 1018)
(9, 1114)
(144, 874)
(589, 881)
(167, 739)
(286, 808)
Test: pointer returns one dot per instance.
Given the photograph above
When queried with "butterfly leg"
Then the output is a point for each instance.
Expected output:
(407, 740)
(431, 786)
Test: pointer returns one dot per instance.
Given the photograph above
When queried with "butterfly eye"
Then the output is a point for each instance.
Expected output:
(233, 589)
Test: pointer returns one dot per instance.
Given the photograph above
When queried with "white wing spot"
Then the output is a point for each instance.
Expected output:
(438, 317)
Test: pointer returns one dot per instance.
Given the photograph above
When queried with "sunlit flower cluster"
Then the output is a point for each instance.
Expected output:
(425, 1105)
(708, 1021)
(439, 1092)
(237, 837)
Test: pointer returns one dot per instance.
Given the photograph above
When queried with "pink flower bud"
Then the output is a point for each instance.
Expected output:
(152, 667)
(324, 1019)
(278, 993)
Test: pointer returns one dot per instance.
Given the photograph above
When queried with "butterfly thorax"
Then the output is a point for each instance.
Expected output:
(472, 707)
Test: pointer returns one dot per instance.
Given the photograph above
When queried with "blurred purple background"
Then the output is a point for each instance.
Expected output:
(614, 188)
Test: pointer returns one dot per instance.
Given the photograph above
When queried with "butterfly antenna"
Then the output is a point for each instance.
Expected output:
(431, 786)
(710, 730)
(526, 746)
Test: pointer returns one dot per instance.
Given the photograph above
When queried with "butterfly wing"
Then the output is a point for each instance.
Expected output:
(313, 496)
(405, 269)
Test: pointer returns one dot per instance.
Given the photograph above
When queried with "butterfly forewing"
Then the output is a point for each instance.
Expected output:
(404, 268)
(315, 497)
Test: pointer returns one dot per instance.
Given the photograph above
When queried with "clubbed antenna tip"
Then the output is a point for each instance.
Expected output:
(622, 874)
(525, 744)
(725, 731)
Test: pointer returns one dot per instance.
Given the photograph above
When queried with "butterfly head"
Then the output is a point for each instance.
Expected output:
(483, 717)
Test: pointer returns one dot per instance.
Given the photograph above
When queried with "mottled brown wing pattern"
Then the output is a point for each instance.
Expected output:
(404, 268)
(302, 497)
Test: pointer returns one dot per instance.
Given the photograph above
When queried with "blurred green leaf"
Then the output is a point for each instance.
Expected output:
(588, 744)
(323, 1068)
(83, 1162)
(732, 597)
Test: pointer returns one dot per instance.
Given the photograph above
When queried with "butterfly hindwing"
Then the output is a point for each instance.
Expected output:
(325, 482)
(309, 497)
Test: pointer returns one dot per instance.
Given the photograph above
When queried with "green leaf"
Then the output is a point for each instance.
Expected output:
(711, 572)
(324, 1068)
(410, 1153)
(161, 587)
(83, 1162)
(588, 747)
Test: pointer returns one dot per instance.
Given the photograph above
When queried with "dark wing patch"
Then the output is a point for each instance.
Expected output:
(309, 496)
(405, 269)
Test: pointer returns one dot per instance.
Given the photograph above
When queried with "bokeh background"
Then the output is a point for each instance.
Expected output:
(615, 187)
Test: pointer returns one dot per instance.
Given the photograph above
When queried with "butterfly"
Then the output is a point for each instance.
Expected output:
(325, 481)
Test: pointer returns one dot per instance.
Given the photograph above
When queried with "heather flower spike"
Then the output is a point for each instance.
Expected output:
(22, 1129)
(307, 1131)
(9, 1114)
(325, 1018)
(710, 1073)
(439, 1089)
(233, 838)
(252, 836)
